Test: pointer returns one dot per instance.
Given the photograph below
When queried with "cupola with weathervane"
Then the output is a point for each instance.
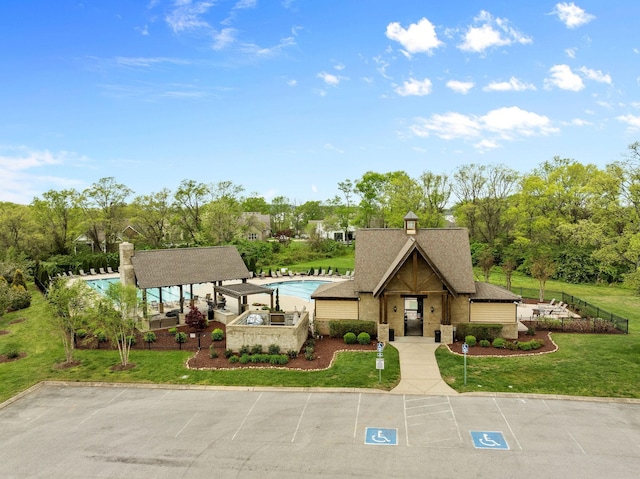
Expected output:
(411, 223)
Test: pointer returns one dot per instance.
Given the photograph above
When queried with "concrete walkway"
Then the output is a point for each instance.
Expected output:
(419, 373)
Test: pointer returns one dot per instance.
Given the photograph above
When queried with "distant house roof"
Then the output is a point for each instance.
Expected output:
(493, 293)
(338, 290)
(170, 267)
(382, 251)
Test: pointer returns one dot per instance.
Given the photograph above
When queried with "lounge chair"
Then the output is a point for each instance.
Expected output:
(102, 271)
(322, 272)
(92, 271)
(290, 274)
(109, 270)
(82, 273)
(316, 272)
(346, 275)
(330, 273)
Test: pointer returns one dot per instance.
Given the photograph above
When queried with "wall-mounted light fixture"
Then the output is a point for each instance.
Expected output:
(395, 309)
(432, 309)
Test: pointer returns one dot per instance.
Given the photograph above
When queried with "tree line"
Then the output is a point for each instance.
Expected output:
(564, 219)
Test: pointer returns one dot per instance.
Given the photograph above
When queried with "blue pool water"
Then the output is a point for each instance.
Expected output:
(299, 289)
(168, 293)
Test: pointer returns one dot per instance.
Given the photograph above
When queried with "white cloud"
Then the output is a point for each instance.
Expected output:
(460, 86)
(339, 66)
(259, 51)
(142, 62)
(420, 37)
(329, 78)
(414, 87)
(330, 147)
(292, 82)
(563, 78)
(491, 32)
(243, 4)
(572, 15)
(144, 31)
(224, 38)
(580, 122)
(26, 172)
(571, 52)
(486, 145)
(186, 15)
(502, 124)
(595, 75)
(512, 85)
(631, 120)
(448, 126)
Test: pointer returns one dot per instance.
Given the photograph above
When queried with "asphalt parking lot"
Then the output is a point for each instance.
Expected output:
(65, 431)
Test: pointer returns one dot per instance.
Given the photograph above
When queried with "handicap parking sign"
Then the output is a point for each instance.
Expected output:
(489, 440)
(380, 436)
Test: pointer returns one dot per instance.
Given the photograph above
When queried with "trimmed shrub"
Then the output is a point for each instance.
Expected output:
(217, 334)
(308, 353)
(470, 340)
(149, 337)
(234, 359)
(292, 353)
(256, 349)
(274, 349)
(172, 331)
(279, 359)
(530, 345)
(512, 345)
(245, 358)
(531, 331)
(337, 329)
(244, 349)
(181, 337)
(228, 353)
(480, 331)
(484, 343)
(212, 352)
(364, 338)
(12, 351)
(499, 343)
(19, 298)
(350, 338)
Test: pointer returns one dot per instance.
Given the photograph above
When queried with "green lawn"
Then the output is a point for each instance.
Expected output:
(584, 365)
(44, 350)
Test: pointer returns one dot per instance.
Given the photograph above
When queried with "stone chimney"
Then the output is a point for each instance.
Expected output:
(127, 275)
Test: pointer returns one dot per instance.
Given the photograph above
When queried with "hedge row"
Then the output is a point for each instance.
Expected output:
(337, 329)
(480, 331)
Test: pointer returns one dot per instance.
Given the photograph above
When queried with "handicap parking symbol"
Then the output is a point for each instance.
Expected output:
(380, 436)
(489, 440)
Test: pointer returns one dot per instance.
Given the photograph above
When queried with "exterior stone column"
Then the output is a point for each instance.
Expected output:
(127, 275)
(383, 333)
(446, 333)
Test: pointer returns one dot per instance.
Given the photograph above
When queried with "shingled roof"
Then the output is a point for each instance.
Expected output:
(378, 251)
(492, 293)
(337, 290)
(171, 267)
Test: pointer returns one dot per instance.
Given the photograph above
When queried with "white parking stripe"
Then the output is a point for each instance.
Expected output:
(246, 416)
(300, 418)
(507, 423)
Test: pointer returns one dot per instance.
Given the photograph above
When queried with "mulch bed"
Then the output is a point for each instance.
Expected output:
(324, 349)
(477, 350)
(5, 359)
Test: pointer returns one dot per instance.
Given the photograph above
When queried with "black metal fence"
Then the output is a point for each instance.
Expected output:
(594, 318)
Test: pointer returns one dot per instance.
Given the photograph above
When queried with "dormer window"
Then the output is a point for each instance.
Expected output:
(411, 223)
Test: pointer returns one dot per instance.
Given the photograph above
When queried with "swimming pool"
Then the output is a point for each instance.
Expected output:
(298, 288)
(168, 293)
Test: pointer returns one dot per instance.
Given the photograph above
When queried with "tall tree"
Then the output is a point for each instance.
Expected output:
(152, 214)
(189, 200)
(436, 192)
(119, 317)
(223, 213)
(104, 206)
(56, 216)
(373, 205)
(71, 302)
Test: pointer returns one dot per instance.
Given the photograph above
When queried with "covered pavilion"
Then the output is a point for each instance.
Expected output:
(189, 266)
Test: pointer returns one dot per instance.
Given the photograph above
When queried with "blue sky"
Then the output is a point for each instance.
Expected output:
(289, 97)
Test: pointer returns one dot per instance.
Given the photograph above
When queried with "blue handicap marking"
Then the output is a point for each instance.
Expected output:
(489, 440)
(381, 436)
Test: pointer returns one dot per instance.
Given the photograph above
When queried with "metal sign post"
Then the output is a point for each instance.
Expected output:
(465, 350)
(380, 362)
